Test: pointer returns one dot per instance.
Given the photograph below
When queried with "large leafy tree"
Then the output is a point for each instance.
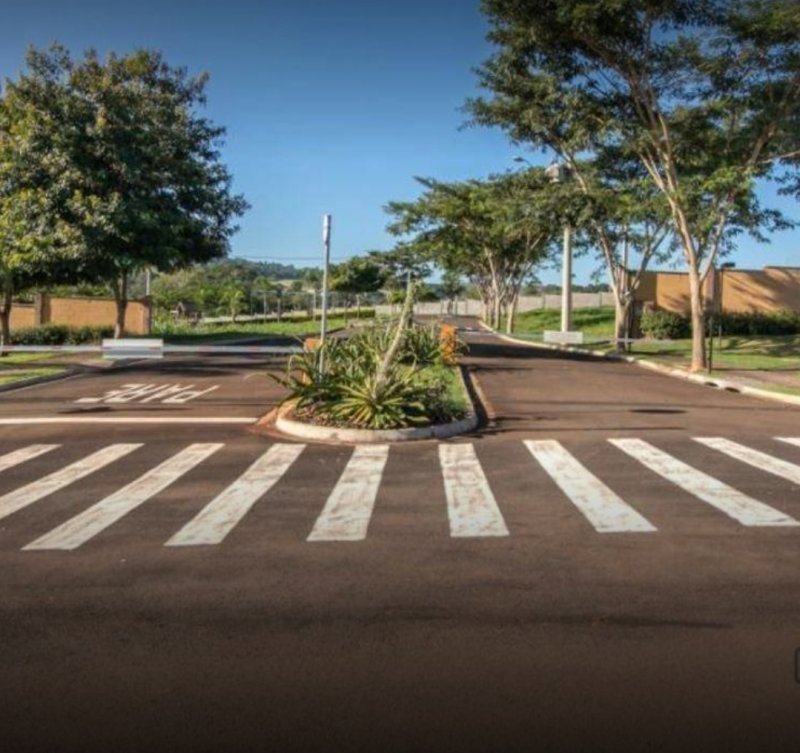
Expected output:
(141, 168)
(36, 247)
(703, 94)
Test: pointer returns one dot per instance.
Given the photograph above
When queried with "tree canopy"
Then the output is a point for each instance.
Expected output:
(136, 168)
(703, 94)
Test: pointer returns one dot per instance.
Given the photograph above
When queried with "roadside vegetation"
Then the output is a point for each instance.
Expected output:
(393, 374)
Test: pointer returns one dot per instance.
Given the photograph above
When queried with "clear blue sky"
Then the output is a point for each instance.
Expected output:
(331, 106)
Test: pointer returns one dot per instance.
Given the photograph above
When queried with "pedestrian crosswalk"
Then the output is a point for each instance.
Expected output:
(471, 488)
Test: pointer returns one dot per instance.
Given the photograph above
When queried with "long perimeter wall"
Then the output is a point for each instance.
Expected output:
(80, 312)
(741, 290)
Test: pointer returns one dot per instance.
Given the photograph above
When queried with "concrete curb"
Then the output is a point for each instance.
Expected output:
(302, 430)
(701, 379)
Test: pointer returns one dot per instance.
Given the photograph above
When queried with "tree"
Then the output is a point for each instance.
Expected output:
(493, 231)
(35, 244)
(123, 140)
(358, 275)
(703, 94)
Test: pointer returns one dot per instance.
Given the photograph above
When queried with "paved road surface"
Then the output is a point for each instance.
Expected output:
(612, 565)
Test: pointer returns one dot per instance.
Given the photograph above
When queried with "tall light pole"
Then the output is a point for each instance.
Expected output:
(557, 173)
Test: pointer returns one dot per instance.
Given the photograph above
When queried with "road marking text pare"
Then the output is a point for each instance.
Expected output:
(150, 393)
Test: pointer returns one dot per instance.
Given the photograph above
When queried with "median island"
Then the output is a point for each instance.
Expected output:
(388, 381)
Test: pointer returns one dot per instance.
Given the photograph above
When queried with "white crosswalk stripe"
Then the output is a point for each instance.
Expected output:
(82, 527)
(26, 453)
(349, 508)
(757, 459)
(471, 506)
(36, 490)
(472, 509)
(601, 506)
(740, 507)
(216, 520)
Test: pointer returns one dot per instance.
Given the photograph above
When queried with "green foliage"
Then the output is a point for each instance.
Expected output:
(759, 323)
(350, 391)
(59, 334)
(699, 99)
(138, 171)
(665, 325)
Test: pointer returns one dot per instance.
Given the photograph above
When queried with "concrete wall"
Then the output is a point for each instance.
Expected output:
(80, 312)
(526, 303)
(742, 290)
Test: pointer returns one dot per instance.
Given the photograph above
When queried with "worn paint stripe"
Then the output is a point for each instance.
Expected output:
(26, 453)
(347, 512)
(27, 495)
(606, 511)
(81, 528)
(790, 440)
(746, 510)
(471, 506)
(218, 518)
(757, 459)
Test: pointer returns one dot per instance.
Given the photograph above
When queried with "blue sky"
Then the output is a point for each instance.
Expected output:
(330, 106)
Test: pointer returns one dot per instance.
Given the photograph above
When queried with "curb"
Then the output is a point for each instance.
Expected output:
(705, 381)
(302, 430)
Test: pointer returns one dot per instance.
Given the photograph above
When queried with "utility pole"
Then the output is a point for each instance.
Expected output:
(566, 281)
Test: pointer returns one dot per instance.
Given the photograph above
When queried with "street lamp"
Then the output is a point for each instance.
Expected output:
(558, 172)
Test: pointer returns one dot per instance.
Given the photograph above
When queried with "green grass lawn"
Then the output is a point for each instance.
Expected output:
(766, 353)
(212, 333)
(9, 376)
(12, 360)
(596, 323)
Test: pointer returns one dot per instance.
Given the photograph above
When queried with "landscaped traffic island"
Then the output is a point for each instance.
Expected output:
(390, 381)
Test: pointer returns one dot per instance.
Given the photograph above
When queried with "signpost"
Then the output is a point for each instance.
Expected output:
(326, 243)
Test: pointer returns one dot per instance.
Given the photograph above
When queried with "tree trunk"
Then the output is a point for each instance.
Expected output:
(5, 319)
(622, 321)
(497, 304)
(120, 289)
(512, 313)
(699, 362)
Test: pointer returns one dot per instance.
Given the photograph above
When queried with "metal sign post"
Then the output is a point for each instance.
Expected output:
(326, 242)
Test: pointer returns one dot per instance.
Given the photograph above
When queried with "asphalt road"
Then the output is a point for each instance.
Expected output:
(534, 586)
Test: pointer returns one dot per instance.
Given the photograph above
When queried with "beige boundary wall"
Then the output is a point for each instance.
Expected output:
(742, 290)
(80, 312)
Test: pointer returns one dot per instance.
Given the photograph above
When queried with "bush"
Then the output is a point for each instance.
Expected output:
(665, 325)
(759, 323)
(59, 334)
(348, 392)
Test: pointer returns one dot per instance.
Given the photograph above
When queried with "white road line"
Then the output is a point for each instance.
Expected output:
(26, 453)
(98, 517)
(790, 440)
(218, 518)
(757, 459)
(471, 506)
(127, 420)
(347, 512)
(27, 495)
(607, 512)
(746, 510)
